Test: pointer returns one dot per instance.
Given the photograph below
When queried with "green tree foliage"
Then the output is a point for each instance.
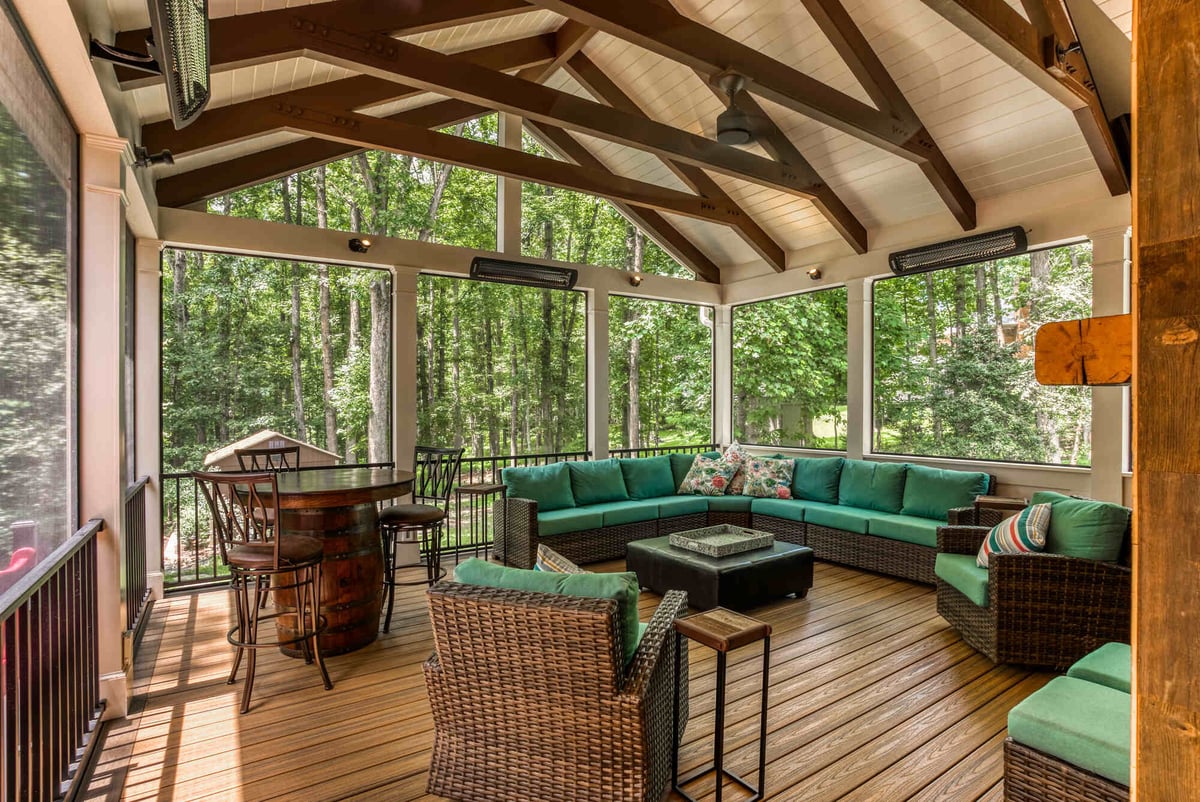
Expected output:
(954, 360)
(789, 370)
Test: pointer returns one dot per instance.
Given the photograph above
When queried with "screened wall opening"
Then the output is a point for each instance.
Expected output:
(789, 371)
(660, 373)
(954, 361)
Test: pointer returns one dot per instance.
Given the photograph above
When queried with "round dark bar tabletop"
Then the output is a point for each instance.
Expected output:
(340, 487)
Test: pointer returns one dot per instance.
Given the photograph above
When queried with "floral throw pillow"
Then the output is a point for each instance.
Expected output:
(736, 454)
(767, 477)
(1023, 533)
(708, 476)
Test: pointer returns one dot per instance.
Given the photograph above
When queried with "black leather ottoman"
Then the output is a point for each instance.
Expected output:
(739, 581)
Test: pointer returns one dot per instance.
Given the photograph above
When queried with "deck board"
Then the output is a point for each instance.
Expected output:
(872, 697)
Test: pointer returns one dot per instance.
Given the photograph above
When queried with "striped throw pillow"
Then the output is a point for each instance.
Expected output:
(1023, 533)
(550, 560)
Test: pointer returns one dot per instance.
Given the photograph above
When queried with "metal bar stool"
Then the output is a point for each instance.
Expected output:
(261, 560)
(436, 473)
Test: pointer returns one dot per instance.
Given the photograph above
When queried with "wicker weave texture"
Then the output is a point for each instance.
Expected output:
(1034, 776)
(783, 529)
(530, 700)
(894, 557)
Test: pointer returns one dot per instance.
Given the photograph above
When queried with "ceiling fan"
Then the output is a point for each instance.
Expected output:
(734, 126)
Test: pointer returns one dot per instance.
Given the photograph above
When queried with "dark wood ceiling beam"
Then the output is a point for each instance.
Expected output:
(250, 118)
(247, 39)
(658, 227)
(601, 87)
(661, 29)
(1020, 44)
(457, 77)
(184, 189)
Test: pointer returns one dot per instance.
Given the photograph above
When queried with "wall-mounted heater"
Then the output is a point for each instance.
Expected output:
(965, 251)
(529, 275)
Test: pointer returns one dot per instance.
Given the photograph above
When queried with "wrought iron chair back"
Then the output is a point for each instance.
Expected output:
(282, 458)
(242, 507)
(436, 473)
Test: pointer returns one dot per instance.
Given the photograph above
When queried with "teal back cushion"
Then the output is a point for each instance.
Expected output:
(548, 485)
(597, 482)
(872, 485)
(649, 477)
(622, 588)
(682, 463)
(817, 479)
(932, 492)
(1081, 527)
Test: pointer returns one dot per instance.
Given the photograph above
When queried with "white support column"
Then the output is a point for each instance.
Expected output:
(101, 382)
(508, 197)
(597, 373)
(723, 374)
(147, 412)
(859, 313)
(1110, 296)
(404, 365)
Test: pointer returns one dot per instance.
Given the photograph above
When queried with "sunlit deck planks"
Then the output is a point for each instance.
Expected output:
(873, 697)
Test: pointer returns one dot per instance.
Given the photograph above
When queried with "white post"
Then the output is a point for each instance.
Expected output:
(597, 373)
(147, 412)
(101, 384)
(404, 365)
(508, 192)
(722, 374)
(859, 312)
(1110, 296)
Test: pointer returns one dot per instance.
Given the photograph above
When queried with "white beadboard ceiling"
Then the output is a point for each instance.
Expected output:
(999, 131)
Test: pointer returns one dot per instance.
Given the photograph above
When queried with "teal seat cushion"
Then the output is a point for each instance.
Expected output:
(631, 511)
(932, 492)
(961, 572)
(682, 463)
(1078, 722)
(648, 477)
(1080, 527)
(817, 479)
(729, 503)
(1110, 665)
(597, 481)
(548, 485)
(836, 516)
(908, 528)
(573, 519)
(778, 508)
(670, 506)
(621, 587)
(872, 485)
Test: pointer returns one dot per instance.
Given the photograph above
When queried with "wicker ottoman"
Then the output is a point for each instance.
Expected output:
(739, 581)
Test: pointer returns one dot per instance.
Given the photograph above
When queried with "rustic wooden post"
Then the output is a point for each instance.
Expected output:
(1166, 393)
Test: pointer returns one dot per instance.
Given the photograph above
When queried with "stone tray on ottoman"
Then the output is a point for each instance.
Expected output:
(721, 540)
(739, 581)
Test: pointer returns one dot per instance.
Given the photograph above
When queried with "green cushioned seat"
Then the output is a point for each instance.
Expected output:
(1110, 665)
(621, 587)
(670, 506)
(962, 573)
(908, 528)
(1078, 722)
(560, 522)
(779, 508)
(872, 485)
(626, 512)
(817, 479)
(682, 463)
(597, 482)
(548, 485)
(1080, 527)
(835, 516)
(729, 503)
(932, 492)
(648, 477)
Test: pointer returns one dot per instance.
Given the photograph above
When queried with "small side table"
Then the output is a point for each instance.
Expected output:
(724, 631)
(477, 531)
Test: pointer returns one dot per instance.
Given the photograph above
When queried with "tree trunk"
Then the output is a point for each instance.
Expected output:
(379, 443)
(981, 299)
(997, 313)
(323, 314)
(439, 188)
(294, 336)
(456, 366)
(960, 303)
(489, 373)
(931, 315)
(635, 249)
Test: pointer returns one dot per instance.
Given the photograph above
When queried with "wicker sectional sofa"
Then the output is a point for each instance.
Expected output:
(874, 515)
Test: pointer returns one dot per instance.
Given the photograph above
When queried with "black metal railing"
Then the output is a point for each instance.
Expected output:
(486, 470)
(137, 588)
(657, 451)
(49, 673)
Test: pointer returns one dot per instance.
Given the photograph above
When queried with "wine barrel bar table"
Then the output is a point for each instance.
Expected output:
(338, 507)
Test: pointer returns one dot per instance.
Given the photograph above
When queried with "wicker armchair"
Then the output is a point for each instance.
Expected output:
(531, 701)
(1043, 609)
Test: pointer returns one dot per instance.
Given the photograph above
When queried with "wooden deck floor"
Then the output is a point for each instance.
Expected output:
(873, 697)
